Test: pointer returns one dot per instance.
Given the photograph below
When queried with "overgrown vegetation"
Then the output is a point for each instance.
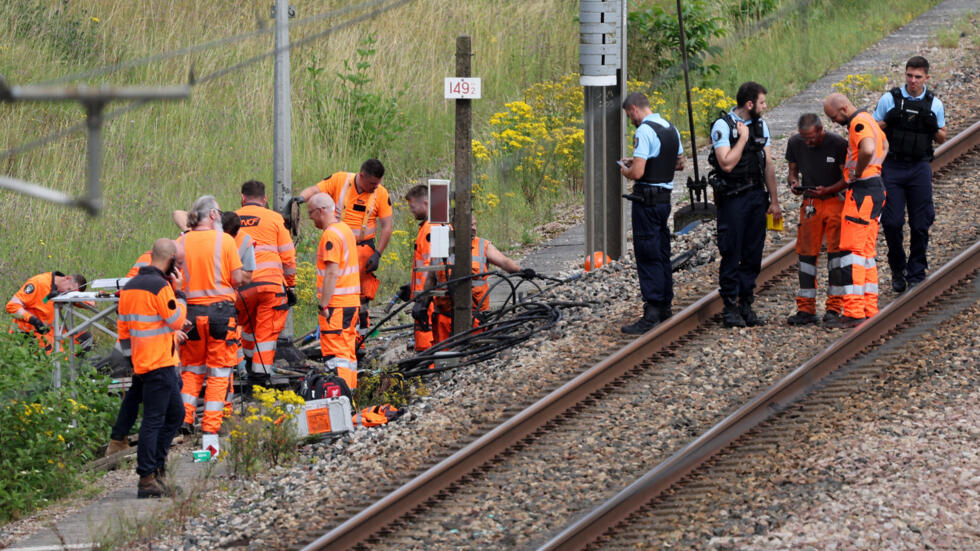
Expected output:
(263, 435)
(46, 434)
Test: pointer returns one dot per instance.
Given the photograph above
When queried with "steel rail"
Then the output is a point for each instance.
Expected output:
(437, 478)
(775, 399)
(403, 500)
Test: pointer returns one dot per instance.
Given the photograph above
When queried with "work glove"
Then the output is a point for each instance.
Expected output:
(420, 313)
(39, 325)
(372, 263)
(404, 293)
(527, 273)
(299, 199)
(291, 296)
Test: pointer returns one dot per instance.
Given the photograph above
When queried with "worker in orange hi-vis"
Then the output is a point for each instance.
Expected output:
(212, 270)
(417, 199)
(33, 310)
(867, 147)
(364, 205)
(483, 254)
(267, 299)
(337, 289)
(151, 316)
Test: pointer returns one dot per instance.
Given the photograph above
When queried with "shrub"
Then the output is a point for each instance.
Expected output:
(538, 141)
(655, 39)
(46, 434)
(264, 435)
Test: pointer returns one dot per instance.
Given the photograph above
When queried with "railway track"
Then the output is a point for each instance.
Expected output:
(451, 497)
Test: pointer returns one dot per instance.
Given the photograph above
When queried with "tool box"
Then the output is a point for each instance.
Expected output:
(325, 416)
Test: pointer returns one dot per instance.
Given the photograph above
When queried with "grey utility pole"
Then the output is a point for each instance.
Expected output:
(462, 236)
(94, 100)
(282, 149)
(602, 55)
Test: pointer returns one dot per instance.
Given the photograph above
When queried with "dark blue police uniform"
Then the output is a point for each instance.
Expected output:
(911, 124)
(657, 141)
(742, 201)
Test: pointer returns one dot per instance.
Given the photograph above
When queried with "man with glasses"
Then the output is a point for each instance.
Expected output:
(337, 289)
(212, 270)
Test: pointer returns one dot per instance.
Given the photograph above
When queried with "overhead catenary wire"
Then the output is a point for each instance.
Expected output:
(78, 127)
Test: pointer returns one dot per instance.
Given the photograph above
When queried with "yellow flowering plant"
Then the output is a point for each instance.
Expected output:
(263, 434)
(857, 87)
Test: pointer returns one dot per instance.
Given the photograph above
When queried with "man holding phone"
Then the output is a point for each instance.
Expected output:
(657, 154)
(819, 156)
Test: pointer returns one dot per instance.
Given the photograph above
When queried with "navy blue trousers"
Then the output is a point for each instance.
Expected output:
(908, 185)
(651, 244)
(741, 237)
(129, 410)
(163, 412)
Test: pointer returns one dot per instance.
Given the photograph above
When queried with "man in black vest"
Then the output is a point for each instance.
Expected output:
(657, 154)
(744, 183)
(912, 119)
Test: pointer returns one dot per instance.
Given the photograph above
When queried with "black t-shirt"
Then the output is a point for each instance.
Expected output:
(820, 166)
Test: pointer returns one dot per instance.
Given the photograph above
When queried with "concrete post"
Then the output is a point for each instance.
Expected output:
(282, 149)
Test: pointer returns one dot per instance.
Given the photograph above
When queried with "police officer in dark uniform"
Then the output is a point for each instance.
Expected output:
(911, 118)
(744, 183)
(657, 154)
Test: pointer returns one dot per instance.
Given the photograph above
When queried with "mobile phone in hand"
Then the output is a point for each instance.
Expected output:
(621, 164)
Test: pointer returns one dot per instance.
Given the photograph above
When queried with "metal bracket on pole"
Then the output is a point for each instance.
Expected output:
(291, 11)
(94, 100)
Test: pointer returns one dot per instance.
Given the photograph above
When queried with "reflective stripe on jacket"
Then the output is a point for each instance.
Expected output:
(210, 258)
(149, 314)
(337, 246)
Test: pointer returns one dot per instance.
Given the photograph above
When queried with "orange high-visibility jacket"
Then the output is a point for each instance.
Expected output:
(337, 245)
(33, 299)
(862, 126)
(143, 260)
(360, 211)
(480, 284)
(211, 257)
(148, 317)
(421, 258)
(275, 254)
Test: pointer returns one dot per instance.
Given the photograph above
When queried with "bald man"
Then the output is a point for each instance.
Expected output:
(863, 202)
(152, 311)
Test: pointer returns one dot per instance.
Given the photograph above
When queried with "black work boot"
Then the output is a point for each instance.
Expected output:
(731, 316)
(750, 317)
(651, 317)
(802, 318)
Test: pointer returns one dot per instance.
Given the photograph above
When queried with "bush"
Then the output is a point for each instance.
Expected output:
(46, 434)
(538, 141)
(264, 435)
(655, 39)
(857, 87)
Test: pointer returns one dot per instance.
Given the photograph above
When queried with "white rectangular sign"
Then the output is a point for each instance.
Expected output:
(462, 88)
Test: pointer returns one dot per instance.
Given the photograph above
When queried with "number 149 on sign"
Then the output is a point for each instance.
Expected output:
(462, 88)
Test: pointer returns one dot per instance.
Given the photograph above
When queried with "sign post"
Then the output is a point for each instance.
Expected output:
(463, 89)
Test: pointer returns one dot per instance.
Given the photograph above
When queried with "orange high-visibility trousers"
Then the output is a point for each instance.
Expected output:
(338, 341)
(209, 354)
(858, 236)
(423, 338)
(819, 218)
(263, 312)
